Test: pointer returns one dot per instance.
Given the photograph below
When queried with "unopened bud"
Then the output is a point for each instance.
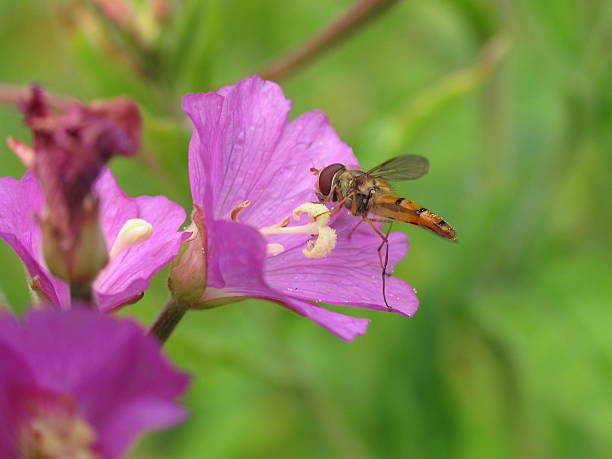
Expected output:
(82, 256)
(187, 280)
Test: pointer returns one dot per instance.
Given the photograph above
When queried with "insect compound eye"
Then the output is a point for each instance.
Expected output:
(327, 176)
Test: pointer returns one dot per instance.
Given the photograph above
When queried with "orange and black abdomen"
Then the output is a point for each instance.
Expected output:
(404, 210)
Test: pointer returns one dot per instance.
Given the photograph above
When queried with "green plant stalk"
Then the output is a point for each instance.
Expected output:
(167, 320)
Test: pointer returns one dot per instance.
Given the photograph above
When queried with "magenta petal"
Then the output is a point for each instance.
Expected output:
(240, 255)
(287, 182)
(14, 373)
(349, 275)
(130, 420)
(343, 326)
(236, 140)
(243, 148)
(115, 206)
(20, 201)
(128, 275)
(205, 113)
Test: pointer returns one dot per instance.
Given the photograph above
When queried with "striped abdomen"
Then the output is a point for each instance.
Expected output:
(404, 210)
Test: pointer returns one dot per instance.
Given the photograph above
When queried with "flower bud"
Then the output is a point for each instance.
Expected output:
(80, 259)
(187, 280)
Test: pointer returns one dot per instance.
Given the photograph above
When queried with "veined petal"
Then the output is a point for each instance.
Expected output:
(243, 148)
(341, 325)
(128, 275)
(308, 141)
(236, 137)
(240, 256)
(20, 201)
(350, 275)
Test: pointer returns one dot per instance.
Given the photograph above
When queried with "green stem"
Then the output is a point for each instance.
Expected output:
(167, 321)
(358, 14)
(13, 94)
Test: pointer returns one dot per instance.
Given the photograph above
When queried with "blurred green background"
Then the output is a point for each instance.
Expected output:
(510, 354)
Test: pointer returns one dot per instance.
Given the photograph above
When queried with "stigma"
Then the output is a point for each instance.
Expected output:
(58, 435)
(133, 232)
(319, 226)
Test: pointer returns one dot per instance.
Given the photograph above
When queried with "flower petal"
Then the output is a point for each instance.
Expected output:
(15, 373)
(133, 418)
(20, 201)
(343, 326)
(129, 273)
(286, 182)
(350, 275)
(240, 255)
(243, 149)
(236, 149)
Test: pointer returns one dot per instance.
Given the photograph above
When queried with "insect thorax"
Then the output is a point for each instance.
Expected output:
(355, 185)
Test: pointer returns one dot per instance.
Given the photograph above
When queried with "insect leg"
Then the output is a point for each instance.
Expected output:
(378, 220)
(354, 228)
(383, 264)
(334, 210)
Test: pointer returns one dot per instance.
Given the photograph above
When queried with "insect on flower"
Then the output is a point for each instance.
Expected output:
(368, 193)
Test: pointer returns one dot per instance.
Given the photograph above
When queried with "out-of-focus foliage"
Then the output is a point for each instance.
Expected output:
(510, 355)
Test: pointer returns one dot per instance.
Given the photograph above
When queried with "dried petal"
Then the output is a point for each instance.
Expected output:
(70, 150)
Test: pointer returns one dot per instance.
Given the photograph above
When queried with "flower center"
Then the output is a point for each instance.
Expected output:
(57, 435)
(133, 232)
(319, 226)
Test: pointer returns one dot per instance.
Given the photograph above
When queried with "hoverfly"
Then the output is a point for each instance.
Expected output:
(367, 194)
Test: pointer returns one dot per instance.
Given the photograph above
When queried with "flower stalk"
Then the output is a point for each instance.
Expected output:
(168, 319)
(357, 15)
(81, 294)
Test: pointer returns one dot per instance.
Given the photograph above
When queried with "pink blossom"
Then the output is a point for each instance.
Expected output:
(128, 273)
(245, 150)
(81, 384)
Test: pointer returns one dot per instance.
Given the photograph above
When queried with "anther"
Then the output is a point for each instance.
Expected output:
(22, 150)
(284, 222)
(133, 232)
(322, 245)
(319, 215)
(274, 249)
(239, 208)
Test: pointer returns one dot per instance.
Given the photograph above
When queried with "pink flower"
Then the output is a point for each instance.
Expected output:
(80, 384)
(249, 162)
(134, 260)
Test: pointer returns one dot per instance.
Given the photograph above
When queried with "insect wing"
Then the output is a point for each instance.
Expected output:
(405, 167)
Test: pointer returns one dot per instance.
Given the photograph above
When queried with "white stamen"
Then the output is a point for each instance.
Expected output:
(319, 214)
(134, 231)
(58, 436)
(324, 244)
(274, 249)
